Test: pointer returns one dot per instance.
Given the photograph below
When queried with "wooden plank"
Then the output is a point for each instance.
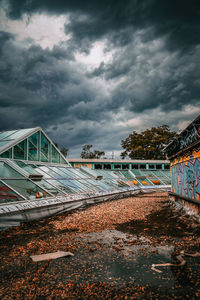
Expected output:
(53, 255)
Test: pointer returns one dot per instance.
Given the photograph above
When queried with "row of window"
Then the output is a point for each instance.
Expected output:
(133, 166)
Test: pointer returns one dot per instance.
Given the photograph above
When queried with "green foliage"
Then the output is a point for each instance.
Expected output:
(64, 151)
(147, 144)
(87, 153)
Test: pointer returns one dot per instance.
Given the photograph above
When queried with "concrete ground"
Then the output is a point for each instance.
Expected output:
(114, 244)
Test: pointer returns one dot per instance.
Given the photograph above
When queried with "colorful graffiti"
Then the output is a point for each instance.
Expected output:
(188, 137)
(185, 172)
(7, 195)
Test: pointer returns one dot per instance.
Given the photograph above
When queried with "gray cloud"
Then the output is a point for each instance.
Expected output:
(93, 19)
(153, 72)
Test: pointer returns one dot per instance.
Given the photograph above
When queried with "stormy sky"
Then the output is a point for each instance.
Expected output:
(91, 72)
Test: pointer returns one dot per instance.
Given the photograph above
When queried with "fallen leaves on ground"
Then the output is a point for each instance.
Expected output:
(142, 216)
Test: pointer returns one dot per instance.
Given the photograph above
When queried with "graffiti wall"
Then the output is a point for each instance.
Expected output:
(185, 172)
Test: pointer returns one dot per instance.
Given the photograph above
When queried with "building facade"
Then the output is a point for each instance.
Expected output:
(120, 164)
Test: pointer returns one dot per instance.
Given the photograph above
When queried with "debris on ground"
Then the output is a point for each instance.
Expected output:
(179, 258)
(114, 244)
(53, 255)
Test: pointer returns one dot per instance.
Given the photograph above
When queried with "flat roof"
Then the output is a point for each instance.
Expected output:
(105, 160)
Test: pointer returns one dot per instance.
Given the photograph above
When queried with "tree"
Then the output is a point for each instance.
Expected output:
(87, 153)
(147, 144)
(64, 151)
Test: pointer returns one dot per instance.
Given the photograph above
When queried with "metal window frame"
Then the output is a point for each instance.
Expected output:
(51, 178)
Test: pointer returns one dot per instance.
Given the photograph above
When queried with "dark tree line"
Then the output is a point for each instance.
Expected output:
(88, 153)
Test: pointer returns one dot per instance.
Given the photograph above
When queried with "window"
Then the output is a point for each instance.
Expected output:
(20, 151)
(98, 166)
(33, 147)
(107, 166)
(55, 155)
(135, 167)
(62, 161)
(167, 167)
(151, 166)
(143, 166)
(26, 188)
(7, 172)
(125, 166)
(7, 154)
(7, 195)
(158, 167)
(4, 134)
(45, 146)
(117, 166)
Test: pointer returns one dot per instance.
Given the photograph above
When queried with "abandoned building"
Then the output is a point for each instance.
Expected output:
(37, 181)
(120, 164)
(184, 156)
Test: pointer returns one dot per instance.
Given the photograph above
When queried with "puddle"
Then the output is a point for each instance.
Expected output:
(116, 258)
(123, 261)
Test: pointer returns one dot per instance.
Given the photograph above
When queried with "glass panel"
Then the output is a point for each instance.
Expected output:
(55, 169)
(70, 173)
(158, 167)
(47, 172)
(151, 166)
(51, 189)
(134, 166)
(3, 143)
(28, 168)
(62, 160)
(55, 155)
(72, 184)
(6, 133)
(125, 167)
(27, 188)
(18, 134)
(7, 154)
(20, 151)
(34, 138)
(98, 166)
(60, 186)
(43, 157)
(33, 147)
(7, 195)
(117, 166)
(7, 171)
(142, 166)
(107, 166)
(45, 146)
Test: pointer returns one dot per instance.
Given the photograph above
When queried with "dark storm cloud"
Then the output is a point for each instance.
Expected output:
(93, 19)
(45, 88)
(151, 76)
(155, 65)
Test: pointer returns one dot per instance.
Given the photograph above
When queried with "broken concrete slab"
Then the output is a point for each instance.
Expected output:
(52, 255)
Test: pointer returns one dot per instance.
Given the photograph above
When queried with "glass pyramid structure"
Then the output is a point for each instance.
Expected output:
(29, 145)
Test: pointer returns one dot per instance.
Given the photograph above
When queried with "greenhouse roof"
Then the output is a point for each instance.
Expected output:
(30, 145)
